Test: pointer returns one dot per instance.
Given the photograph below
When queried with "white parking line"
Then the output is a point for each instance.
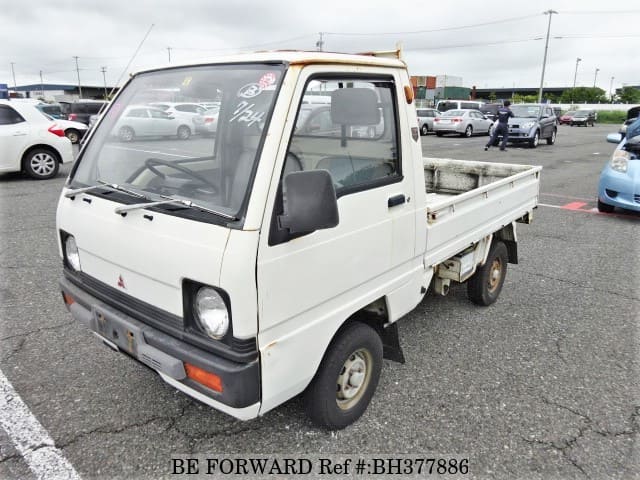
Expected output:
(30, 438)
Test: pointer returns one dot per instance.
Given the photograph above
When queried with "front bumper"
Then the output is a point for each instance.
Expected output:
(240, 396)
(619, 189)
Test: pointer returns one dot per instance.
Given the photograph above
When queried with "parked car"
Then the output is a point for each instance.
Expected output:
(584, 117)
(558, 113)
(531, 123)
(565, 118)
(207, 123)
(632, 115)
(619, 184)
(462, 122)
(81, 110)
(146, 121)
(52, 109)
(30, 142)
(425, 119)
(490, 110)
(74, 131)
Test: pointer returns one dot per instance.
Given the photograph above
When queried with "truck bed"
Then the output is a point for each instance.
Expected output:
(468, 200)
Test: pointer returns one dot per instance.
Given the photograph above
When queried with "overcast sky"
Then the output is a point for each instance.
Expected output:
(489, 43)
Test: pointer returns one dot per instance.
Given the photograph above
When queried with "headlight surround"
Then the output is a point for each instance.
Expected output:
(71, 253)
(620, 161)
(211, 314)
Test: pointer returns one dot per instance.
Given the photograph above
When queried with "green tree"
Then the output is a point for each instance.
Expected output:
(584, 95)
(492, 97)
(629, 95)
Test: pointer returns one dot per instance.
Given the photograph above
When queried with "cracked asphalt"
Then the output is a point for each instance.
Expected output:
(541, 385)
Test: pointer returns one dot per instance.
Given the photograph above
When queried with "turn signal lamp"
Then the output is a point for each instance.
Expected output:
(208, 379)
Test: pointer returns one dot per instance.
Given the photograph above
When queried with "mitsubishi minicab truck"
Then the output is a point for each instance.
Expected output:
(274, 255)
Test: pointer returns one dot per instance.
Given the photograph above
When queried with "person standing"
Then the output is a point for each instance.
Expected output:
(502, 127)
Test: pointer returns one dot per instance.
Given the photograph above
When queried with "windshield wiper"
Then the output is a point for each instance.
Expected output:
(103, 184)
(169, 200)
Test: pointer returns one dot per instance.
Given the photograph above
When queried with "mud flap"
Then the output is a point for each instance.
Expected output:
(391, 344)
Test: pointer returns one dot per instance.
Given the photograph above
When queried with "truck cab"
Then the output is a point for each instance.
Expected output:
(271, 259)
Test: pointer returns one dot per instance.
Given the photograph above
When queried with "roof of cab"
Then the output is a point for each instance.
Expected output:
(293, 57)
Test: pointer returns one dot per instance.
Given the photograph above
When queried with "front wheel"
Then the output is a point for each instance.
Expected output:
(485, 285)
(184, 132)
(346, 379)
(604, 208)
(533, 143)
(41, 164)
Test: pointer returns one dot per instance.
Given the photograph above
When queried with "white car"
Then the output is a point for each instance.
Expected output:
(463, 122)
(146, 121)
(30, 142)
(74, 131)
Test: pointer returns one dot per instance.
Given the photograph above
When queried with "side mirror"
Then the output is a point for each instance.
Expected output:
(614, 138)
(309, 202)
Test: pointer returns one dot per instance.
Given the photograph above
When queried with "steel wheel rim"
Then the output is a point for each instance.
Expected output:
(43, 164)
(495, 275)
(354, 378)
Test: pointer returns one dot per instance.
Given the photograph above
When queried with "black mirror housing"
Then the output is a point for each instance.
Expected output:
(309, 202)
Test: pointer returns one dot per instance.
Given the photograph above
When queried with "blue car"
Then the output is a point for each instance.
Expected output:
(619, 184)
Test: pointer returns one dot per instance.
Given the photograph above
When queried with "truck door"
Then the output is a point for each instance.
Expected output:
(315, 275)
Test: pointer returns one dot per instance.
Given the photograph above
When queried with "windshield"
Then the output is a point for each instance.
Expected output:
(582, 113)
(526, 111)
(184, 155)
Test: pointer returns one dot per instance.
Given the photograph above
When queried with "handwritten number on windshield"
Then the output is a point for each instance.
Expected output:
(244, 113)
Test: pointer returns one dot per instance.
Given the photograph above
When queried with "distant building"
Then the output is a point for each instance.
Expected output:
(52, 92)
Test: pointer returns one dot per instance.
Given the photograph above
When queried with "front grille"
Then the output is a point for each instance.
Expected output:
(636, 198)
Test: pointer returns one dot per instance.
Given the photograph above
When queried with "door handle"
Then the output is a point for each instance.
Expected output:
(396, 200)
(19, 134)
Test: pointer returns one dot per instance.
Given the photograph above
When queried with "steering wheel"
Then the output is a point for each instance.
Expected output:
(151, 162)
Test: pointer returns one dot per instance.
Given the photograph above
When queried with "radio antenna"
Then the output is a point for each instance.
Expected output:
(131, 60)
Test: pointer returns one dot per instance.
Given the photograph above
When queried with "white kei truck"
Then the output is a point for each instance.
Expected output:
(271, 253)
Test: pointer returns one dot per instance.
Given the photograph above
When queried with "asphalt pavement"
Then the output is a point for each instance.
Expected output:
(542, 384)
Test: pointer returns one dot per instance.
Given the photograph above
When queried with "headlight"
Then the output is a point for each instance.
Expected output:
(528, 124)
(71, 251)
(211, 313)
(619, 161)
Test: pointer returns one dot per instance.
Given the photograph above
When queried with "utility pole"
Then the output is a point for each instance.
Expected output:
(595, 77)
(78, 72)
(575, 76)
(169, 52)
(13, 72)
(546, 48)
(320, 42)
(41, 85)
(611, 89)
(104, 78)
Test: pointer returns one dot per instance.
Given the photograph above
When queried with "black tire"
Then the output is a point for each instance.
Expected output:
(330, 400)
(533, 143)
(424, 129)
(41, 163)
(604, 208)
(73, 135)
(184, 132)
(439, 134)
(485, 285)
(468, 132)
(126, 134)
(552, 139)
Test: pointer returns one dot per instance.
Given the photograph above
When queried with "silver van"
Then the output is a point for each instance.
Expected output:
(444, 105)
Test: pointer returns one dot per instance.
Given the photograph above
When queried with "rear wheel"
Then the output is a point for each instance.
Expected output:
(73, 135)
(468, 131)
(424, 129)
(439, 134)
(485, 285)
(552, 139)
(346, 379)
(604, 208)
(41, 164)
